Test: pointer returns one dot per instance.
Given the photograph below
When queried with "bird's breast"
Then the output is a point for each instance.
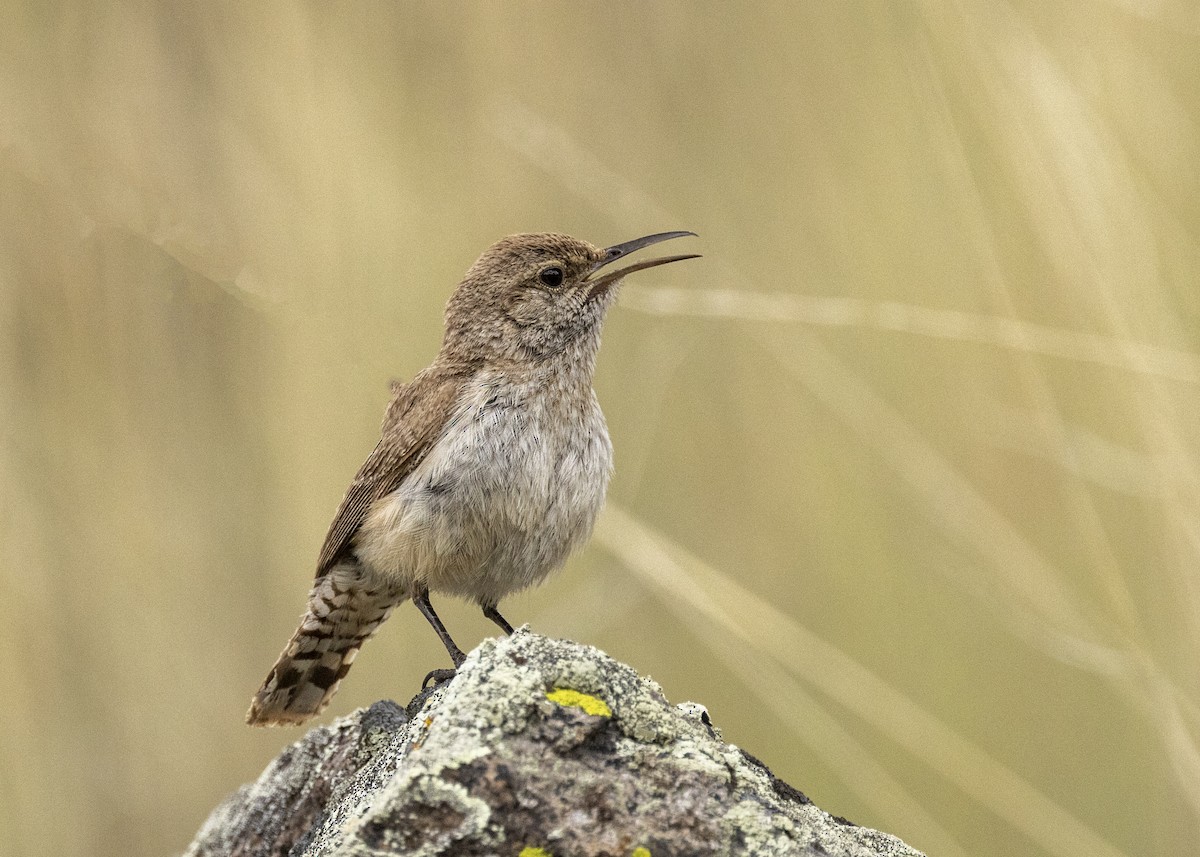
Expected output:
(512, 486)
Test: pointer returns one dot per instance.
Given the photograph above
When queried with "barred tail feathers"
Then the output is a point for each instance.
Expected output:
(343, 612)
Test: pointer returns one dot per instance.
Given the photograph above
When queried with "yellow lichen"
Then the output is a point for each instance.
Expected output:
(640, 852)
(530, 851)
(590, 704)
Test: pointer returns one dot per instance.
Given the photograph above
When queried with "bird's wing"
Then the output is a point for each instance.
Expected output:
(414, 421)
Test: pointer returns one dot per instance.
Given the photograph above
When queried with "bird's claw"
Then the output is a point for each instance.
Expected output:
(438, 677)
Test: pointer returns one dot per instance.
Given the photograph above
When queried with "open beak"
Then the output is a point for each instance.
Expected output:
(602, 283)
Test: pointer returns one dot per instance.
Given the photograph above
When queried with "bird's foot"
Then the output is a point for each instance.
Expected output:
(438, 677)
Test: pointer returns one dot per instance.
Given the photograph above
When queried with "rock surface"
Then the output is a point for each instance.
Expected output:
(537, 748)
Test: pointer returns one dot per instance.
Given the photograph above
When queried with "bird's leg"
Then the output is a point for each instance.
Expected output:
(421, 599)
(492, 613)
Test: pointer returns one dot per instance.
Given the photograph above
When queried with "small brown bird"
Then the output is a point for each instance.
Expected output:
(491, 467)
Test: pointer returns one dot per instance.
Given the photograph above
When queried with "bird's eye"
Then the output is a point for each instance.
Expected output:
(552, 277)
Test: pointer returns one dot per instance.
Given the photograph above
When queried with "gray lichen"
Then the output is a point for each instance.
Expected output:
(535, 744)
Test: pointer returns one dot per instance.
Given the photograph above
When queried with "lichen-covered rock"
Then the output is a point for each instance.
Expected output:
(537, 747)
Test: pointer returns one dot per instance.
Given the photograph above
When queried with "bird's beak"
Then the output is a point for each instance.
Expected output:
(602, 283)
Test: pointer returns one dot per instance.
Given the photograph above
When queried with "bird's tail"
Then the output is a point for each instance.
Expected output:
(344, 610)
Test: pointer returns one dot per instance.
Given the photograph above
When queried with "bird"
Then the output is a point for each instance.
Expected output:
(491, 467)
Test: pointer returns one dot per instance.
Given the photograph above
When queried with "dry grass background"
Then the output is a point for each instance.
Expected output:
(907, 487)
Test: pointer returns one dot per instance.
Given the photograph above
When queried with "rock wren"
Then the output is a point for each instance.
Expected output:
(491, 466)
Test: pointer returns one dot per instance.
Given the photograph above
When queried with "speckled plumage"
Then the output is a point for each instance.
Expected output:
(491, 467)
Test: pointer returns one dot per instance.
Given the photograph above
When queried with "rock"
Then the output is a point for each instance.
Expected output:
(537, 748)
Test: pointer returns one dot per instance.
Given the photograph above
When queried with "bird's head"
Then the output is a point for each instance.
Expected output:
(534, 295)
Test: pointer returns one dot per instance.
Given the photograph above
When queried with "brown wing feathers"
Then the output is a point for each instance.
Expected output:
(407, 435)
(345, 607)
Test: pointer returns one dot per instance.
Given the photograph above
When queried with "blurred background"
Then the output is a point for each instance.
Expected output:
(907, 482)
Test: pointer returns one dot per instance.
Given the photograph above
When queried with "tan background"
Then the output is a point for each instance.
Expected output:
(917, 440)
